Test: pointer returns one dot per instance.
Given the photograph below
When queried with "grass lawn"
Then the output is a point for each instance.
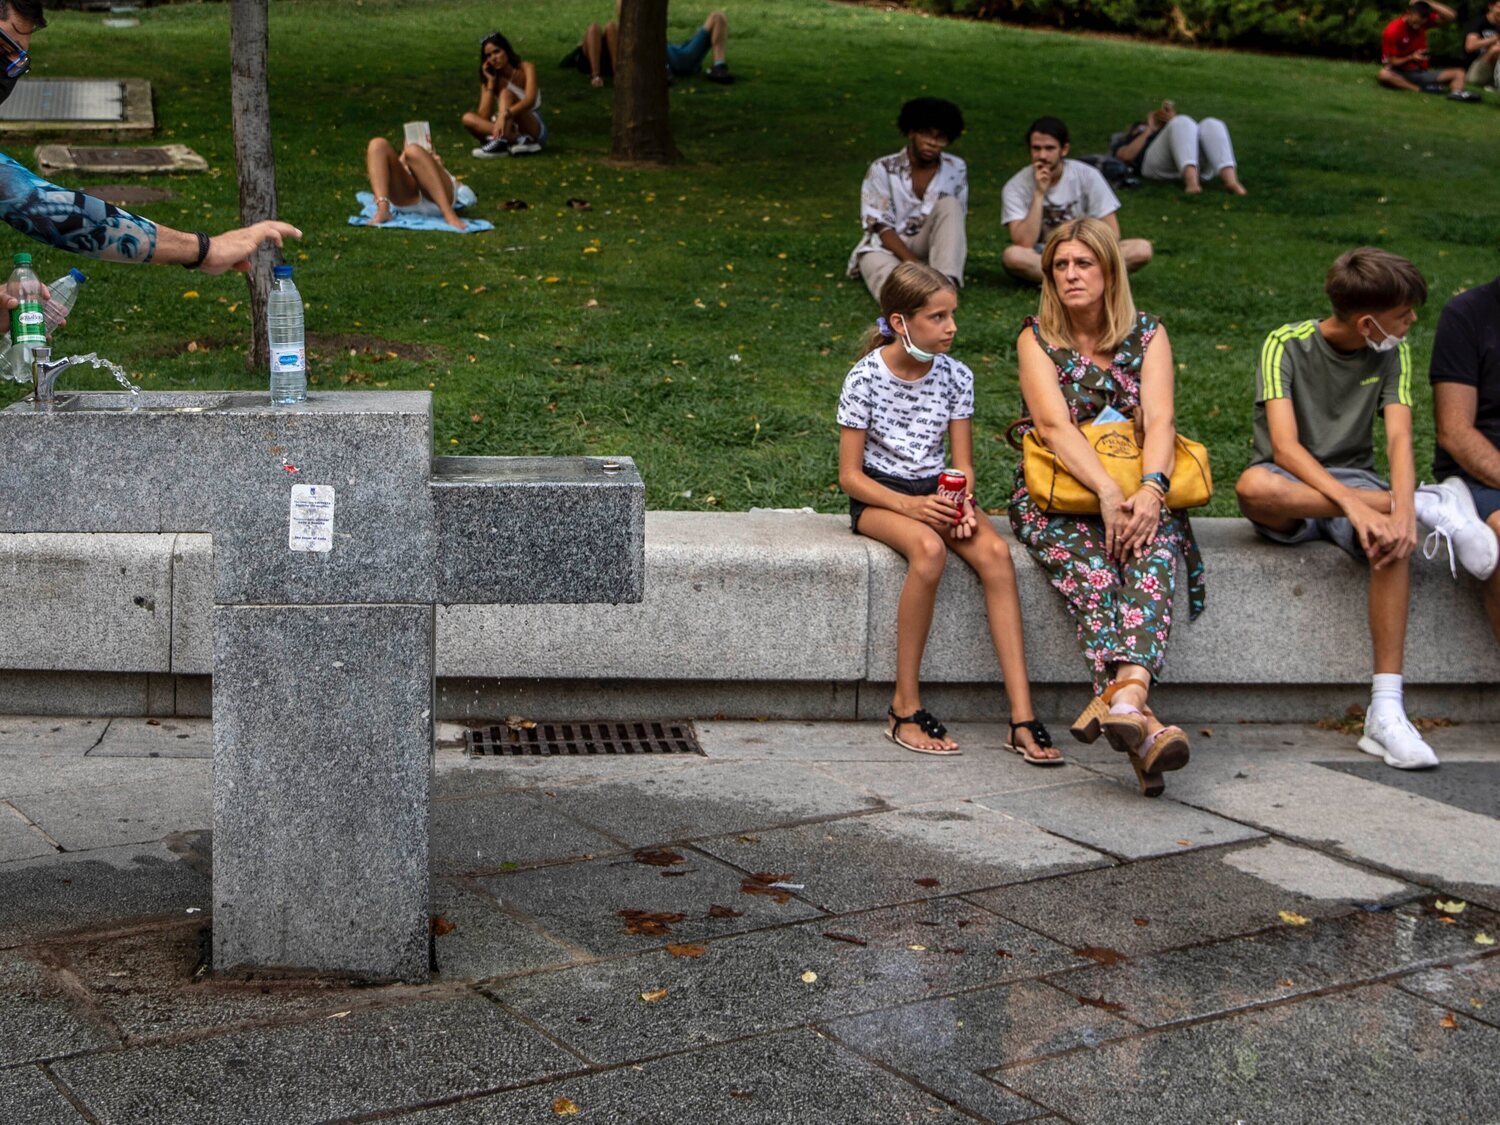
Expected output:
(699, 318)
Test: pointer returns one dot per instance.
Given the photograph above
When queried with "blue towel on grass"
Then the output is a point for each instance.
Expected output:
(408, 220)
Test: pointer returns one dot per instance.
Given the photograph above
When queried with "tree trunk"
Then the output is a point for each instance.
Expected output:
(255, 159)
(642, 123)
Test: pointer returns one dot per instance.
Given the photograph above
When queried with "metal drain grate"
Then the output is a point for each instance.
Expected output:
(562, 739)
(65, 99)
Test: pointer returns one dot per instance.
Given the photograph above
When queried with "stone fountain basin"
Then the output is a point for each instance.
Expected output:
(154, 402)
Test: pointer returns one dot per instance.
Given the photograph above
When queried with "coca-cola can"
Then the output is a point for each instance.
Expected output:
(953, 486)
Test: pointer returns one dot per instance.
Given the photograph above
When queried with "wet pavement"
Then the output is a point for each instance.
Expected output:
(1295, 933)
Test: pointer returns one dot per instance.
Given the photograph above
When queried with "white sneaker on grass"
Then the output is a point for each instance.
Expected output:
(1448, 509)
(1392, 738)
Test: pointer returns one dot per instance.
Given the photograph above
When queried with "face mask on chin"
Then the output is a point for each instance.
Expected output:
(1386, 343)
(912, 350)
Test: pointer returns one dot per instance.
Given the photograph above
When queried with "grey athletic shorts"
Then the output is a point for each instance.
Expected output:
(1339, 530)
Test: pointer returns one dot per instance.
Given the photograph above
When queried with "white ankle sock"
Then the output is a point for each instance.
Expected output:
(1386, 695)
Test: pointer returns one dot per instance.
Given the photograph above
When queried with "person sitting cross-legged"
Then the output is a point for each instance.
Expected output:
(1465, 376)
(1053, 190)
(914, 203)
(1319, 386)
(1404, 61)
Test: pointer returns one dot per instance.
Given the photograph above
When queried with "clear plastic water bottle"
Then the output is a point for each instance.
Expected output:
(64, 297)
(288, 346)
(27, 319)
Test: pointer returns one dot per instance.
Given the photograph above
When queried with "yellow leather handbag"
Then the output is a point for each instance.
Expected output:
(1054, 489)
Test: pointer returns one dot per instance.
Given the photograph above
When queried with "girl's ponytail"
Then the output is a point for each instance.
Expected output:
(909, 288)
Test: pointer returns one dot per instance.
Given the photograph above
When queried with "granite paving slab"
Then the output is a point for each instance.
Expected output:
(18, 838)
(1473, 989)
(457, 775)
(580, 903)
(28, 1096)
(878, 860)
(364, 1062)
(484, 940)
(26, 773)
(40, 1018)
(1474, 786)
(48, 734)
(60, 894)
(946, 1043)
(132, 813)
(777, 979)
(680, 804)
(507, 830)
(1288, 960)
(156, 738)
(916, 780)
(1420, 838)
(797, 1076)
(1184, 899)
(1370, 1054)
(1106, 815)
(861, 743)
(155, 984)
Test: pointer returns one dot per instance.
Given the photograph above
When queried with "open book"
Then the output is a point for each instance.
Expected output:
(419, 133)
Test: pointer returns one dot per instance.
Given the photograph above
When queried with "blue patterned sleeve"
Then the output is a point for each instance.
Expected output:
(70, 220)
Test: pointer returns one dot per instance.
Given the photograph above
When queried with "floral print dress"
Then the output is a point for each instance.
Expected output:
(1123, 610)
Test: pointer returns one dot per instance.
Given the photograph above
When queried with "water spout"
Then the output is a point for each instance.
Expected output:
(45, 371)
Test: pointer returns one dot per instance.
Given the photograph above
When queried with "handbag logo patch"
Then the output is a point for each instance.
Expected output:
(1116, 445)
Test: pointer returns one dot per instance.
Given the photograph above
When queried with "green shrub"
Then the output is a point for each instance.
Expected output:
(1347, 29)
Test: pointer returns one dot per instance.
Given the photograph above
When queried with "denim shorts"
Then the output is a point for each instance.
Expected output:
(685, 57)
(921, 486)
(1486, 499)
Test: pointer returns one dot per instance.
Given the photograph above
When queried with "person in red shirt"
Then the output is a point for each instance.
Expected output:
(1405, 64)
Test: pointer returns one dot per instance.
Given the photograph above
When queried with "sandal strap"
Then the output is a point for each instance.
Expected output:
(1038, 732)
(924, 719)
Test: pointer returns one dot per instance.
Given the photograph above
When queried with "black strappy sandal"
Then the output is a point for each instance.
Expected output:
(923, 720)
(1042, 739)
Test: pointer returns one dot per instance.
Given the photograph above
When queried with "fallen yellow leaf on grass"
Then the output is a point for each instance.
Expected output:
(809, 977)
(565, 1107)
(1483, 939)
(654, 995)
(1451, 907)
(190, 295)
(1291, 918)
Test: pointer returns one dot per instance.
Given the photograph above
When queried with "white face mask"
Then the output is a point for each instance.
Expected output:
(1386, 343)
(915, 352)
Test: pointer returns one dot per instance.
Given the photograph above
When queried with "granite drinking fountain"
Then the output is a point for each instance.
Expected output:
(336, 534)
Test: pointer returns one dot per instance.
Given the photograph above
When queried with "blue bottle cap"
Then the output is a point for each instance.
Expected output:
(77, 275)
(282, 271)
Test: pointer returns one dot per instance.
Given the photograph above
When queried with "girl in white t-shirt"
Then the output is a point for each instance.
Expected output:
(899, 401)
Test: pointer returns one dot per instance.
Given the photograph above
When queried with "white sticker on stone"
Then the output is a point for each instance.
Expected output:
(311, 526)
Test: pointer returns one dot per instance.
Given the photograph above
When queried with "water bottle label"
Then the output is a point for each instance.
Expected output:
(289, 361)
(26, 324)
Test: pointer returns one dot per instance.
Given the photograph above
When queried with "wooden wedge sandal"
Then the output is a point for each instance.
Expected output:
(1165, 749)
(1124, 725)
(1152, 784)
(1085, 728)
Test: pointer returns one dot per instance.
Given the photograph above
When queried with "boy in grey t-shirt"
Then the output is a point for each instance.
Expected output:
(1053, 190)
(1319, 385)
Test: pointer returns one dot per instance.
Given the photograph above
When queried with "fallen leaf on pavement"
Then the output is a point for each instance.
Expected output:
(1184, 843)
(1292, 918)
(833, 935)
(748, 839)
(649, 924)
(441, 926)
(1207, 732)
(1448, 1022)
(565, 1107)
(1002, 953)
(658, 857)
(1142, 921)
(339, 1015)
(1101, 954)
(1483, 939)
(927, 882)
(1453, 906)
(917, 948)
(654, 995)
(1101, 1002)
(1285, 982)
(717, 911)
(809, 977)
(763, 883)
(686, 949)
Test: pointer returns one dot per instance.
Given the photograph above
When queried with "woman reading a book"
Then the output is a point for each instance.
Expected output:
(413, 180)
(508, 121)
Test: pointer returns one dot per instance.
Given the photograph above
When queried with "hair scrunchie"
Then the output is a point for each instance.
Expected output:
(883, 326)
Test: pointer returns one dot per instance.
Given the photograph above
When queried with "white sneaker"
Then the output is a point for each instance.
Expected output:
(1392, 738)
(1448, 509)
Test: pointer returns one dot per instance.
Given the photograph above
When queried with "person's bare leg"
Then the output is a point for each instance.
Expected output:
(434, 182)
(1454, 77)
(989, 554)
(389, 180)
(512, 129)
(612, 40)
(926, 554)
(1492, 586)
(1136, 252)
(592, 44)
(1279, 503)
(1390, 594)
(1388, 77)
(479, 126)
(1190, 181)
(1022, 263)
(717, 27)
(1231, 181)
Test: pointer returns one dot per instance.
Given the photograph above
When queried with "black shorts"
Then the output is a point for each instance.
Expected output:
(921, 486)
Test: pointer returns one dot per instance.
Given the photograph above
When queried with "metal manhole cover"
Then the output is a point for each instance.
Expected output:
(582, 738)
(109, 158)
